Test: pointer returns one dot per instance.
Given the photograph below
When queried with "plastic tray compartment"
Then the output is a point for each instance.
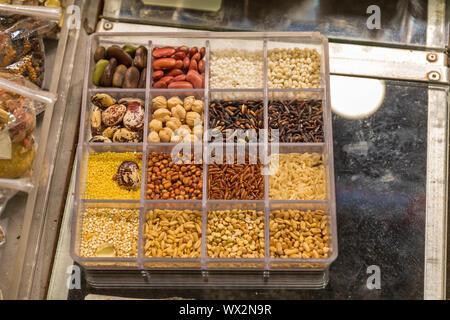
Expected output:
(203, 270)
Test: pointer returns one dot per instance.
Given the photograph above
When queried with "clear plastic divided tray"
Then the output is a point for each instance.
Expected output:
(205, 271)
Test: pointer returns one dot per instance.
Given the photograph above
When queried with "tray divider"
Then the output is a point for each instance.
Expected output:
(266, 161)
(205, 162)
(143, 216)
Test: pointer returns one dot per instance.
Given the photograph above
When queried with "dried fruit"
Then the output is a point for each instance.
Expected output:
(162, 114)
(193, 118)
(153, 137)
(156, 125)
(173, 102)
(165, 134)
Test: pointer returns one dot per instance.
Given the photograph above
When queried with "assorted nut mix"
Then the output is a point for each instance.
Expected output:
(298, 234)
(109, 233)
(113, 121)
(175, 120)
(238, 121)
(296, 121)
(173, 181)
(120, 67)
(178, 68)
(293, 68)
(236, 234)
(173, 233)
(112, 175)
(235, 181)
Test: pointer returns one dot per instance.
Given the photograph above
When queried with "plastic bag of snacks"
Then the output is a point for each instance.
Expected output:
(18, 103)
(17, 123)
(21, 46)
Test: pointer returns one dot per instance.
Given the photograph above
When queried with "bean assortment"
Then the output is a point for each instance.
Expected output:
(238, 121)
(298, 234)
(120, 67)
(168, 180)
(296, 121)
(116, 121)
(173, 234)
(236, 234)
(178, 68)
(235, 181)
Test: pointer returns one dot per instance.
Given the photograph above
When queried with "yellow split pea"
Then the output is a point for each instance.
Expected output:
(101, 169)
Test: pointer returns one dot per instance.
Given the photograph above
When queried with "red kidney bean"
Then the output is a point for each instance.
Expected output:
(203, 52)
(186, 63)
(178, 64)
(193, 51)
(163, 52)
(193, 65)
(158, 75)
(180, 85)
(194, 78)
(180, 77)
(166, 79)
(174, 72)
(196, 56)
(164, 63)
(180, 55)
(201, 66)
(160, 84)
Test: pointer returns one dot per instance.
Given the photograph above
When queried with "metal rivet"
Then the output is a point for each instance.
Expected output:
(432, 57)
(434, 76)
(107, 26)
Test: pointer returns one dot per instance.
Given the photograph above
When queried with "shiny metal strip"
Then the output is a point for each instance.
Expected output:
(436, 195)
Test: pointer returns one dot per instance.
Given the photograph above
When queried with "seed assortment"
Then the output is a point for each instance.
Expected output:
(236, 234)
(173, 234)
(120, 67)
(235, 181)
(178, 68)
(237, 121)
(104, 177)
(293, 68)
(168, 180)
(109, 233)
(195, 212)
(296, 120)
(231, 68)
(116, 121)
(175, 120)
(298, 234)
